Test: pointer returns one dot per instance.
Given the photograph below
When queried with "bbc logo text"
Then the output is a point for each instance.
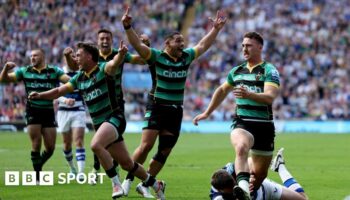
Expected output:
(48, 178)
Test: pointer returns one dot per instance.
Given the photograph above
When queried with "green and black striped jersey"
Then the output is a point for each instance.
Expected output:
(255, 80)
(170, 75)
(39, 81)
(99, 92)
(119, 74)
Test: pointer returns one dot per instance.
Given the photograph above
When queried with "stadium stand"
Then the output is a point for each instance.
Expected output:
(306, 40)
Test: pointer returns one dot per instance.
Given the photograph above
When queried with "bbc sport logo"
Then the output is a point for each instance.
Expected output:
(47, 178)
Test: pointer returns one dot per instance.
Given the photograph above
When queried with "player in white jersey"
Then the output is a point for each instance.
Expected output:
(71, 118)
(224, 185)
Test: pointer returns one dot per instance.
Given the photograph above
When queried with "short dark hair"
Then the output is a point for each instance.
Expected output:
(221, 179)
(256, 36)
(91, 48)
(103, 30)
(39, 49)
(171, 35)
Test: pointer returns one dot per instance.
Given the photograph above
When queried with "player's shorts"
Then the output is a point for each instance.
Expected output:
(164, 117)
(263, 133)
(70, 119)
(269, 190)
(117, 119)
(41, 116)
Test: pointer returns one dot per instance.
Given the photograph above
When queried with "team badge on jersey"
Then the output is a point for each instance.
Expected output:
(258, 76)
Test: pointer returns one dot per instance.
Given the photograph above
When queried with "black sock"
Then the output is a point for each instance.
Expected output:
(111, 172)
(45, 156)
(36, 160)
(115, 164)
(151, 180)
(96, 162)
(130, 176)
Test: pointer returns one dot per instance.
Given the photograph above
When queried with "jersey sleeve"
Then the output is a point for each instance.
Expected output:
(19, 73)
(73, 82)
(272, 76)
(59, 72)
(229, 78)
(154, 54)
(191, 52)
(128, 57)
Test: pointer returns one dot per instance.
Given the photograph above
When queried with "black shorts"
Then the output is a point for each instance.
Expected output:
(163, 117)
(118, 121)
(41, 116)
(263, 133)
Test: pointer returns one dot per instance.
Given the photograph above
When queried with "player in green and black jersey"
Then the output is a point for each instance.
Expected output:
(40, 116)
(255, 83)
(164, 117)
(97, 84)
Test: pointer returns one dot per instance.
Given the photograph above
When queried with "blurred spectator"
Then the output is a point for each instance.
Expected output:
(306, 40)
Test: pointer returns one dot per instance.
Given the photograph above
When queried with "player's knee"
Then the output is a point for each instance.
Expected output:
(95, 147)
(242, 149)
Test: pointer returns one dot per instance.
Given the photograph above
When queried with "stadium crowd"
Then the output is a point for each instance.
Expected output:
(306, 40)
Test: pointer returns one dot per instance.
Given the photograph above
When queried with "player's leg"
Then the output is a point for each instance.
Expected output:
(149, 137)
(49, 138)
(78, 129)
(104, 136)
(119, 152)
(67, 150)
(63, 121)
(34, 132)
(242, 141)
(260, 165)
(293, 190)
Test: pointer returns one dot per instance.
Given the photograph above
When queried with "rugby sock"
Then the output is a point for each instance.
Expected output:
(45, 156)
(243, 181)
(113, 175)
(288, 180)
(96, 163)
(130, 177)
(36, 160)
(69, 157)
(150, 181)
(80, 156)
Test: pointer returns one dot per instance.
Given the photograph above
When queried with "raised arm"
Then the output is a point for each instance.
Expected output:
(218, 96)
(69, 56)
(5, 76)
(204, 44)
(112, 65)
(53, 93)
(143, 50)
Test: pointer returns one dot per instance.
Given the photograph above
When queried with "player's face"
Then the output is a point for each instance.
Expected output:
(82, 59)
(176, 45)
(251, 49)
(36, 58)
(104, 42)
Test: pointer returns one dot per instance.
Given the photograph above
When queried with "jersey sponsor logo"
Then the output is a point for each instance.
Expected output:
(171, 74)
(40, 85)
(92, 95)
(253, 88)
(275, 76)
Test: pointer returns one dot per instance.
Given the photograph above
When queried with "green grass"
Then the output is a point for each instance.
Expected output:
(320, 162)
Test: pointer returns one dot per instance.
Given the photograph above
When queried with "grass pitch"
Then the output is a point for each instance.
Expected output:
(320, 162)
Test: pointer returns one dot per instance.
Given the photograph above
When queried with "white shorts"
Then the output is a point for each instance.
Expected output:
(70, 119)
(269, 190)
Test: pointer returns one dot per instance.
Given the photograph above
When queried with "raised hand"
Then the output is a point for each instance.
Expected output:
(219, 20)
(9, 66)
(67, 51)
(126, 19)
(123, 49)
(199, 118)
